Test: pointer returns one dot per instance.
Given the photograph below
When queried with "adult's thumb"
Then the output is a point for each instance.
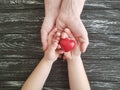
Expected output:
(54, 45)
(80, 32)
(44, 35)
(45, 29)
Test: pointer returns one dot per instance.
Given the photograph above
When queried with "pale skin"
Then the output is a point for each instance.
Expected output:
(64, 14)
(77, 76)
(38, 77)
(76, 72)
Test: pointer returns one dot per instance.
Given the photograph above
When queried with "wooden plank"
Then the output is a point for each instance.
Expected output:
(10, 85)
(21, 16)
(20, 45)
(103, 74)
(21, 4)
(102, 21)
(96, 85)
(102, 4)
(29, 46)
(30, 21)
(35, 4)
(106, 70)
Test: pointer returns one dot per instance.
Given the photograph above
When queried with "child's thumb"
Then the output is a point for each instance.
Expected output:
(54, 45)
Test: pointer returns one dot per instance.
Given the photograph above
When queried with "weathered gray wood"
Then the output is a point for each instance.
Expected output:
(101, 21)
(19, 69)
(102, 4)
(19, 45)
(105, 85)
(29, 46)
(21, 16)
(15, 85)
(103, 74)
(30, 21)
(21, 4)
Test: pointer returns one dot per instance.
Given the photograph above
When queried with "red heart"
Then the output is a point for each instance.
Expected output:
(67, 45)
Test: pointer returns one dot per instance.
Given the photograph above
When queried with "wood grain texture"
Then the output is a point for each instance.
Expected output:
(29, 46)
(30, 21)
(102, 4)
(105, 77)
(96, 85)
(19, 69)
(35, 4)
(21, 49)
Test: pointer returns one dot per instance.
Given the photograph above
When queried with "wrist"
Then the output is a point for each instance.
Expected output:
(51, 14)
(50, 17)
(74, 59)
(47, 61)
(52, 7)
(72, 7)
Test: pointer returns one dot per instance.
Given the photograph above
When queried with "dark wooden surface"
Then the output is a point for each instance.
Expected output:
(20, 45)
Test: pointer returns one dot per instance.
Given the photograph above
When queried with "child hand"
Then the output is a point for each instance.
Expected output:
(51, 52)
(75, 53)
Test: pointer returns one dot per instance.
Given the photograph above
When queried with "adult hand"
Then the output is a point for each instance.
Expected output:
(51, 12)
(69, 17)
(51, 53)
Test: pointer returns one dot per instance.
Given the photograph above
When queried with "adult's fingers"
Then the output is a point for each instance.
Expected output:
(44, 35)
(83, 43)
(51, 36)
(60, 25)
(79, 30)
(46, 27)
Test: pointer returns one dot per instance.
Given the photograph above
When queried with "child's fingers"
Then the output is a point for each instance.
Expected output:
(51, 34)
(64, 35)
(69, 33)
(58, 47)
(54, 45)
(57, 38)
(58, 34)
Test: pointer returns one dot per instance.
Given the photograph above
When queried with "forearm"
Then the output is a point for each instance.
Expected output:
(52, 7)
(73, 7)
(77, 76)
(38, 77)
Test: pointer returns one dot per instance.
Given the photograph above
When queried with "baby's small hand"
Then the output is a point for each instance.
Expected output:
(51, 52)
(75, 52)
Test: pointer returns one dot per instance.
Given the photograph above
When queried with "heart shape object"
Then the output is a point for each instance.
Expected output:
(67, 45)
